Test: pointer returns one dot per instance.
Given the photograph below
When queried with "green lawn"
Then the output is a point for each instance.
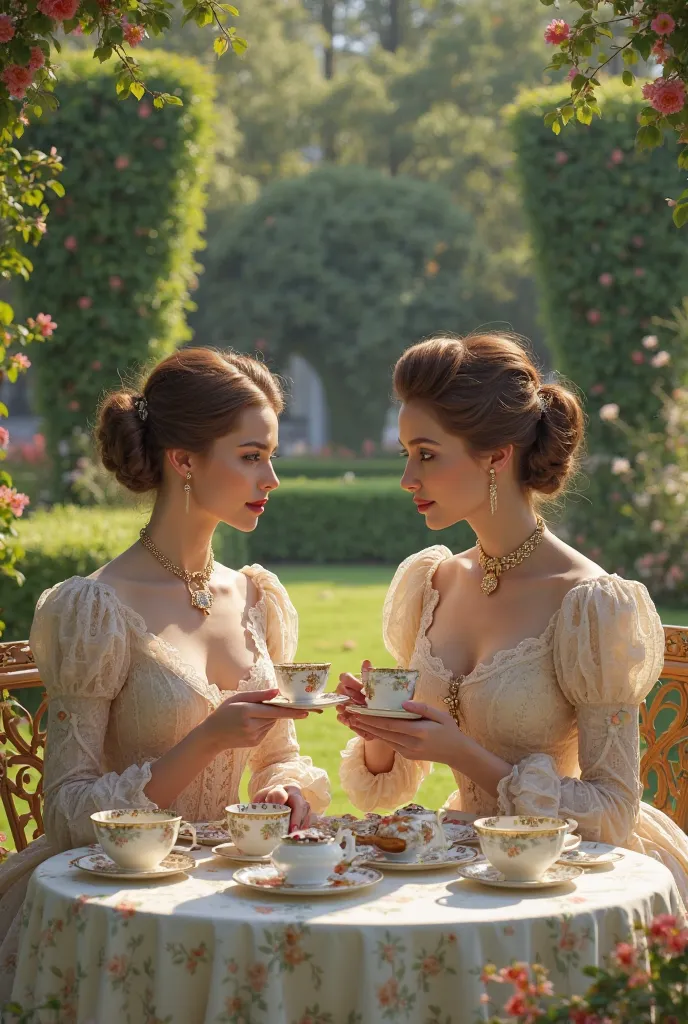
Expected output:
(340, 610)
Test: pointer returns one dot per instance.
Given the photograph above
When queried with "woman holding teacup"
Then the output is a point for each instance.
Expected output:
(157, 665)
(532, 661)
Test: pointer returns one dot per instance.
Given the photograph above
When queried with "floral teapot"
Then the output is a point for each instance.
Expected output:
(419, 828)
(309, 857)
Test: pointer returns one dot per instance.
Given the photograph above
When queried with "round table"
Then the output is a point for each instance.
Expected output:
(200, 949)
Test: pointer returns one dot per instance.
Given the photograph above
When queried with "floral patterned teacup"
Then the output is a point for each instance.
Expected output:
(520, 846)
(302, 682)
(420, 829)
(256, 829)
(138, 840)
(388, 688)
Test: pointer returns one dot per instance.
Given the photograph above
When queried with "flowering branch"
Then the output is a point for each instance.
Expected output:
(657, 30)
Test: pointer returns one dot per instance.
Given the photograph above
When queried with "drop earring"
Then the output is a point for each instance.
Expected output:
(493, 492)
(187, 490)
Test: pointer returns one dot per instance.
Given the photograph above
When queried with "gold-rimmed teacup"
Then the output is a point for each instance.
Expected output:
(138, 840)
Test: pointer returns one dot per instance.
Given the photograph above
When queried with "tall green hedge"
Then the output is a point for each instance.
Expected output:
(366, 520)
(607, 255)
(346, 267)
(117, 264)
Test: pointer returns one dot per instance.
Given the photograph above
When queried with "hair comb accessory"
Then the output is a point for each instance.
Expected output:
(141, 406)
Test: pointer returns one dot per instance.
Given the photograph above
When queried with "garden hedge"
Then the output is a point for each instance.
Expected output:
(321, 467)
(345, 267)
(71, 541)
(366, 520)
(116, 266)
(607, 255)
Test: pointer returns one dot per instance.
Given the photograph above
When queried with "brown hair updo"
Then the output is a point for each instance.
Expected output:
(187, 401)
(486, 389)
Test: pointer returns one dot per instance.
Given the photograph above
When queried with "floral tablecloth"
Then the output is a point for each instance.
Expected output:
(199, 949)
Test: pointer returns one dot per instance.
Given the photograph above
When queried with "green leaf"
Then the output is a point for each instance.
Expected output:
(57, 187)
(174, 101)
(648, 137)
(602, 30)
(6, 313)
(4, 411)
(628, 78)
(648, 115)
(220, 45)
(683, 160)
(550, 118)
(680, 215)
(567, 113)
(229, 9)
(159, 102)
(578, 82)
(556, 127)
(630, 57)
(239, 45)
(584, 114)
(137, 90)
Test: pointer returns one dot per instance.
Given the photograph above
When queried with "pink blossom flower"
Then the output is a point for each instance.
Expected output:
(638, 241)
(597, 389)
(558, 31)
(516, 1006)
(85, 302)
(593, 316)
(561, 158)
(609, 412)
(667, 95)
(660, 52)
(45, 324)
(4, 441)
(71, 243)
(134, 34)
(115, 282)
(639, 271)
(663, 24)
(159, 142)
(620, 466)
(637, 357)
(122, 162)
(572, 73)
(37, 58)
(74, 406)
(650, 341)
(656, 526)
(6, 28)
(617, 156)
(13, 500)
(145, 109)
(60, 10)
(625, 954)
(638, 979)
(41, 225)
(661, 359)
(606, 279)
(17, 80)
(21, 361)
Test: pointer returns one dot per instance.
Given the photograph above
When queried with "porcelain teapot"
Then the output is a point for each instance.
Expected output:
(309, 857)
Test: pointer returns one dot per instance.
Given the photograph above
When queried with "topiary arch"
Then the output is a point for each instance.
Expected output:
(345, 267)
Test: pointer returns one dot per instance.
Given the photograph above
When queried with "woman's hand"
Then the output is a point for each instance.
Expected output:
(352, 687)
(292, 797)
(244, 720)
(434, 737)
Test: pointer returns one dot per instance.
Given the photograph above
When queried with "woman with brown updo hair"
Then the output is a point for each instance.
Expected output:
(158, 665)
(532, 659)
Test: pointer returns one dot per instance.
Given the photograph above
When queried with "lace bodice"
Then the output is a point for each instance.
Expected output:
(121, 697)
(562, 708)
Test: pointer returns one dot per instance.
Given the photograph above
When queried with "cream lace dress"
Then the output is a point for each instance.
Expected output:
(120, 697)
(562, 708)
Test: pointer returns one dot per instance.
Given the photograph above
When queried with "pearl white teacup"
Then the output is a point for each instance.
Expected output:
(388, 688)
(138, 840)
(256, 829)
(523, 847)
(302, 682)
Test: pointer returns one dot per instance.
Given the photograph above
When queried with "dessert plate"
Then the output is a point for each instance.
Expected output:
(432, 861)
(267, 878)
(591, 855)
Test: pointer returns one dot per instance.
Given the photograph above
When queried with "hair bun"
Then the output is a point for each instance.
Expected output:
(551, 459)
(121, 440)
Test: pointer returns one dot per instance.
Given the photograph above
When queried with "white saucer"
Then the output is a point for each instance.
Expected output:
(326, 700)
(433, 861)
(359, 709)
(228, 851)
(457, 832)
(267, 878)
(100, 864)
(482, 871)
(591, 855)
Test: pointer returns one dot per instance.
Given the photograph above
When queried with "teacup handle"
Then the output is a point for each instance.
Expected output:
(440, 839)
(349, 843)
(194, 837)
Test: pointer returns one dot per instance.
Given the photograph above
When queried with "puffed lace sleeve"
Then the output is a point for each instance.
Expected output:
(407, 597)
(80, 639)
(277, 761)
(608, 654)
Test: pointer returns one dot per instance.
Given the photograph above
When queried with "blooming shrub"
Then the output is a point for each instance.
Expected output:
(655, 30)
(645, 981)
(117, 283)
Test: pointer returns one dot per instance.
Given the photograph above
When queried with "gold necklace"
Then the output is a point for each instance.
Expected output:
(494, 567)
(196, 582)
